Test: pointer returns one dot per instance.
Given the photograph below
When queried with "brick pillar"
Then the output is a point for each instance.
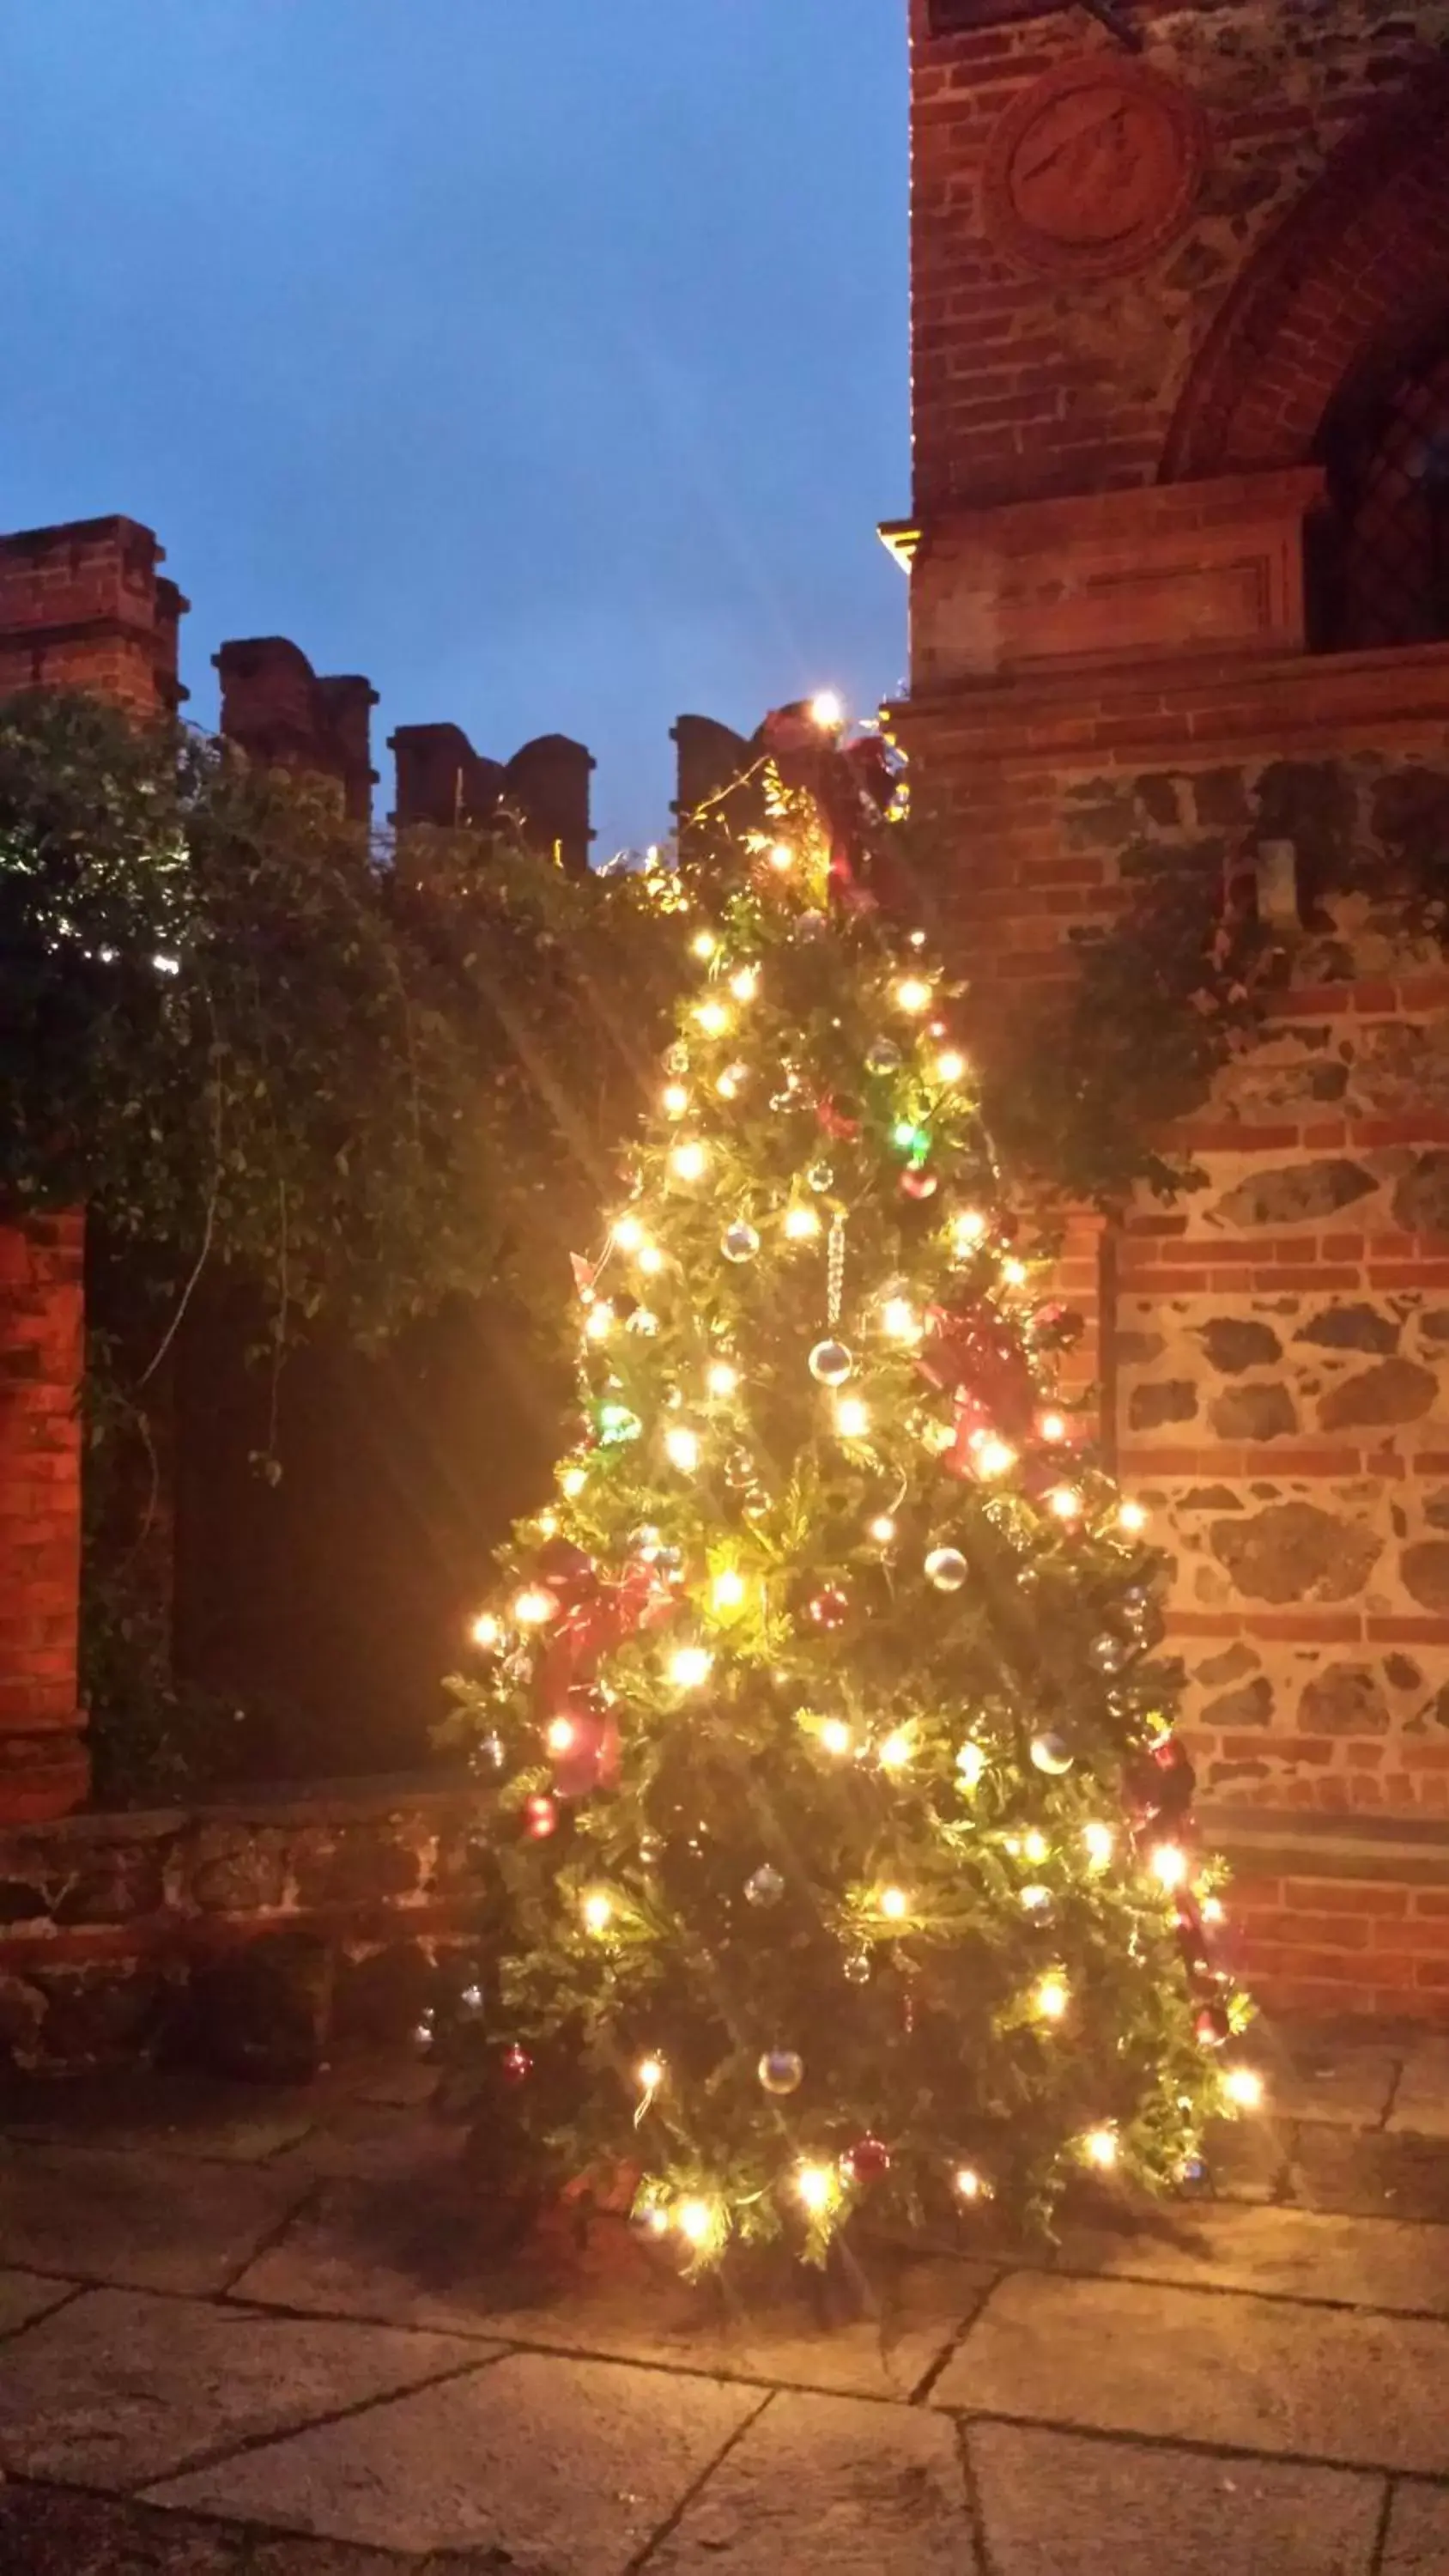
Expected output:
(82, 606)
(43, 1765)
(275, 708)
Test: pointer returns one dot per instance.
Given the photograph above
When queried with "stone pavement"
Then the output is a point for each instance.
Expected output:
(257, 2334)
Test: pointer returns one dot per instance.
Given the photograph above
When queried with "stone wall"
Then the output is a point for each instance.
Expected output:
(248, 1935)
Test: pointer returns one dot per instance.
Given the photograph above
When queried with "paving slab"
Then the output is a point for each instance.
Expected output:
(24, 2295)
(182, 2114)
(1344, 2086)
(1054, 2504)
(46, 2532)
(1283, 2253)
(1418, 2538)
(121, 2387)
(1421, 2103)
(830, 2486)
(1390, 2175)
(568, 2466)
(378, 2142)
(143, 2220)
(1210, 2366)
(422, 2258)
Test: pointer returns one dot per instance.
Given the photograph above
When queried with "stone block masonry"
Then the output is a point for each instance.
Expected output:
(1160, 304)
(247, 1935)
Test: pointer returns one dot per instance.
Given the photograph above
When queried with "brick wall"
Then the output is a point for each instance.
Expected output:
(1139, 284)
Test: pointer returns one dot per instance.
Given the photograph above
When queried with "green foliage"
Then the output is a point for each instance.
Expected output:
(856, 1729)
(1161, 1000)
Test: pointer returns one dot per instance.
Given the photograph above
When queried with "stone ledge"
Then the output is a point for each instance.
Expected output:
(1413, 1850)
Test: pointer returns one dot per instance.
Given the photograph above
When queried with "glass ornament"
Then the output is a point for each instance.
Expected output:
(857, 1967)
(1213, 2027)
(739, 1241)
(946, 1569)
(1052, 1754)
(868, 2159)
(490, 1755)
(741, 1469)
(883, 1056)
(651, 1848)
(423, 2031)
(676, 1058)
(831, 1363)
(1108, 1653)
(540, 1817)
(766, 1887)
(819, 1176)
(781, 2071)
(919, 1185)
(811, 925)
(517, 2065)
(617, 1425)
(829, 1607)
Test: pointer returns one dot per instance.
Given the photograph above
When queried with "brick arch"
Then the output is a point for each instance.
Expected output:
(1358, 269)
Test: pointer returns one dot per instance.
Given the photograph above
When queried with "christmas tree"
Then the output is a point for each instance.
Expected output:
(842, 1855)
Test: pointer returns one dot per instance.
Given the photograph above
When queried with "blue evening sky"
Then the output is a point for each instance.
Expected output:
(544, 359)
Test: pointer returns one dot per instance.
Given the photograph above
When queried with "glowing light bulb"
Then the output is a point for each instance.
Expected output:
(1213, 1910)
(969, 2185)
(689, 1666)
(1065, 1503)
(746, 984)
(801, 1223)
(1170, 1866)
(1243, 2086)
(598, 1910)
(690, 1161)
(650, 1258)
(547, 1524)
(681, 1448)
(628, 1233)
(950, 1065)
(657, 2220)
(729, 1082)
(895, 1905)
(650, 2073)
(971, 1764)
(1132, 1518)
(913, 995)
(827, 710)
(899, 1318)
(533, 1607)
(573, 1481)
(782, 858)
(728, 1589)
(721, 1378)
(486, 1630)
(895, 1751)
(601, 1322)
(704, 944)
(1052, 1997)
(882, 1529)
(1101, 1843)
(938, 1437)
(852, 1418)
(967, 1229)
(676, 1100)
(1014, 1272)
(1100, 2148)
(815, 2185)
(695, 2221)
(1035, 1847)
(713, 1018)
(836, 1737)
(1053, 1426)
(561, 1735)
(994, 1456)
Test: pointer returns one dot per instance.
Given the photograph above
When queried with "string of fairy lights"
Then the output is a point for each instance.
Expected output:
(891, 1410)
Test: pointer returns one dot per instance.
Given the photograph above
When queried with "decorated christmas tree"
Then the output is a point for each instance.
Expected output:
(842, 1854)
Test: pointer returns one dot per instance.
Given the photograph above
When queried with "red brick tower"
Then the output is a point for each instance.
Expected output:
(1179, 564)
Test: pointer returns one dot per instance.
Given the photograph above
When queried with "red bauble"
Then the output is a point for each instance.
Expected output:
(517, 2065)
(829, 1607)
(869, 2159)
(1213, 2026)
(590, 1759)
(919, 1185)
(540, 1818)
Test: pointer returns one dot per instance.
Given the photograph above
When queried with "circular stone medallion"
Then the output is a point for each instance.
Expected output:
(1095, 169)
